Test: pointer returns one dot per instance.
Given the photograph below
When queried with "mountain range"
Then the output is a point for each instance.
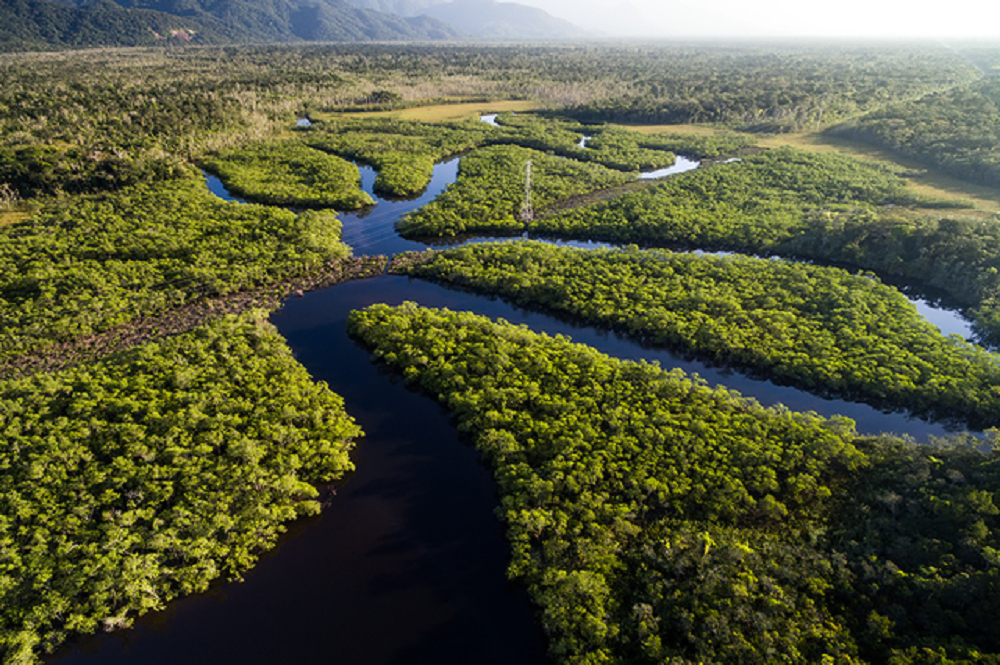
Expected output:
(52, 24)
(483, 18)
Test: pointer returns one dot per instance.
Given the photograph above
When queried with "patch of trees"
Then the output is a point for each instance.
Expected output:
(87, 264)
(46, 171)
(707, 146)
(613, 147)
(490, 191)
(770, 89)
(820, 328)
(957, 131)
(403, 152)
(290, 174)
(654, 519)
(142, 478)
(751, 204)
(809, 206)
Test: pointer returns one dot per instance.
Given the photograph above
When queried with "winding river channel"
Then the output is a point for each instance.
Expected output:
(407, 564)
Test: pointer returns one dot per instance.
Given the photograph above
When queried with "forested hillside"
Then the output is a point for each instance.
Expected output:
(38, 25)
(45, 25)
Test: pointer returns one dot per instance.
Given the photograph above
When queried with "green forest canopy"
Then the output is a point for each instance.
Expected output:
(85, 264)
(819, 328)
(655, 519)
(791, 536)
(141, 478)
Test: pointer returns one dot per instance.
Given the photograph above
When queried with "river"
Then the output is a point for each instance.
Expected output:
(407, 564)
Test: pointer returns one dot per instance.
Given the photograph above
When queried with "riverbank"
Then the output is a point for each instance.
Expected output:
(182, 319)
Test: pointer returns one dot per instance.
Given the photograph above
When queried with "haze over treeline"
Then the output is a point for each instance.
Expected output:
(778, 18)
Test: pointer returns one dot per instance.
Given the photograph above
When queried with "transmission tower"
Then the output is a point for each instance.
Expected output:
(527, 211)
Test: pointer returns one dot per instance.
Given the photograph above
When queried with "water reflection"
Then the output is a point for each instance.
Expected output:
(948, 321)
(680, 166)
(373, 230)
(216, 187)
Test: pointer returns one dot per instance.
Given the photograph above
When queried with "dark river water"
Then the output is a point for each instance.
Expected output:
(407, 564)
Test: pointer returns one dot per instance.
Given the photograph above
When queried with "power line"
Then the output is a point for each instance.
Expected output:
(527, 211)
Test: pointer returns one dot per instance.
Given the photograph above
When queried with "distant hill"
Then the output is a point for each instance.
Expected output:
(400, 7)
(42, 24)
(29, 25)
(484, 18)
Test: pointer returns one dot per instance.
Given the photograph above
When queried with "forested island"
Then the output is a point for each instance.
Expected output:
(159, 434)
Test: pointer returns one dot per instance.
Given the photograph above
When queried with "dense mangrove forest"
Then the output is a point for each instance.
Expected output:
(186, 380)
(654, 518)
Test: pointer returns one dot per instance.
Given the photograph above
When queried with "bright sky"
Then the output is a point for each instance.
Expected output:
(781, 18)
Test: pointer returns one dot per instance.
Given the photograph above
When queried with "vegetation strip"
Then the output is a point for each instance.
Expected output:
(803, 205)
(290, 174)
(86, 265)
(819, 328)
(155, 328)
(490, 191)
(141, 478)
(656, 520)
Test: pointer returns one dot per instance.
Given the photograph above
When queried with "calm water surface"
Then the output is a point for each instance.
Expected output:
(407, 564)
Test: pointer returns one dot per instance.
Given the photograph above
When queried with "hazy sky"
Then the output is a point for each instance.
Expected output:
(781, 18)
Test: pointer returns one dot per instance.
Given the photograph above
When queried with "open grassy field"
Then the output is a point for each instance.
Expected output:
(690, 130)
(444, 112)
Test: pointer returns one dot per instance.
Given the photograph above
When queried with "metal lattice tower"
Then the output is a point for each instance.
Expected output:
(527, 211)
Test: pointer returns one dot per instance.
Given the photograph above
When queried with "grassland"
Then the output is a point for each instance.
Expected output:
(13, 217)
(442, 112)
(687, 130)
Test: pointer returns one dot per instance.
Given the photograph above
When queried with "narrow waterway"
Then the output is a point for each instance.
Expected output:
(407, 564)
(373, 230)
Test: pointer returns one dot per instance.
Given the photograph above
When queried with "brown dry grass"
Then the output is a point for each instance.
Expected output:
(692, 130)
(12, 217)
